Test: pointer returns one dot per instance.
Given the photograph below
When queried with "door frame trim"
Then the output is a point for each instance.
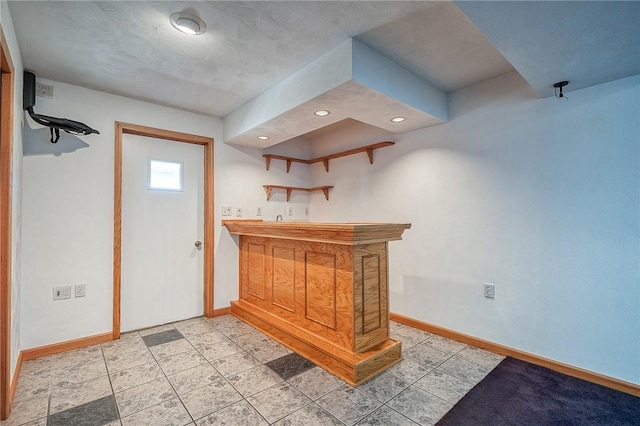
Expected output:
(133, 129)
(6, 241)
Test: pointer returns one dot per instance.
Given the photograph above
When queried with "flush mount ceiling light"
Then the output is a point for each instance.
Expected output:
(322, 113)
(263, 138)
(188, 23)
(398, 119)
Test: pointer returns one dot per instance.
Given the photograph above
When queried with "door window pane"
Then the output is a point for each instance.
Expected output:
(165, 175)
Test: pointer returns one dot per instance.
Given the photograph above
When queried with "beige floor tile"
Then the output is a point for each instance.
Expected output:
(181, 362)
(194, 378)
(311, 415)
(128, 360)
(386, 416)
(169, 349)
(74, 394)
(210, 398)
(316, 382)
(435, 373)
(349, 404)
(480, 356)
(79, 373)
(158, 329)
(444, 345)
(254, 380)
(235, 363)
(278, 401)
(27, 410)
(131, 343)
(444, 385)
(207, 339)
(420, 406)
(168, 413)
(219, 350)
(135, 376)
(195, 328)
(239, 414)
(465, 370)
(77, 358)
(144, 396)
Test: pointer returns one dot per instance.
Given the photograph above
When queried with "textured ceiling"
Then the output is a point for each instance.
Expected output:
(440, 45)
(584, 42)
(129, 47)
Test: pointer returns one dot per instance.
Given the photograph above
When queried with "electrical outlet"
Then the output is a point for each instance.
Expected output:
(238, 211)
(489, 291)
(81, 290)
(62, 292)
(226, 210)
(259, 211)
(306, 211)
(44, 90)
(289, 210)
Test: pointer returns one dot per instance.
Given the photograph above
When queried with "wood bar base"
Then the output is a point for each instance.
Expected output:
(354, 369)
(321, 289)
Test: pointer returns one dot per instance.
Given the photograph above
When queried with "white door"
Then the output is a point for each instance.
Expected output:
(162, 223)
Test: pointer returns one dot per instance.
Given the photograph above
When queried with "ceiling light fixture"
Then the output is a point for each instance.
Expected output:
(559, 85)
(188, 23)
(263, 138)
(398, 119)
(322, 113)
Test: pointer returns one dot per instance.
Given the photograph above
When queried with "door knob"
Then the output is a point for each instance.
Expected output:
(199, 245)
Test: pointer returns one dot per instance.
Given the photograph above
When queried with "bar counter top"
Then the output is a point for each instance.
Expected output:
(336, 233)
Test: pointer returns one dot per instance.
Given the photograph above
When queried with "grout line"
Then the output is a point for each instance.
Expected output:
(113, 393)
(50, 390)
(243, 351)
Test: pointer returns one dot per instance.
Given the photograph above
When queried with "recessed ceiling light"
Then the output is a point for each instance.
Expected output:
(188, 23)
(263, 138)
(398, 119)
(322, 113)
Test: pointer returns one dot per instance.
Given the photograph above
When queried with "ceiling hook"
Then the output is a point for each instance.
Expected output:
(558, 89)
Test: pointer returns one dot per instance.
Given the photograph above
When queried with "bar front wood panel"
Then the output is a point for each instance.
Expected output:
(325, 295)
(320, 288)
(255, 271)
(283, 278)
(333, 291)
(371, 308)
(309, 284)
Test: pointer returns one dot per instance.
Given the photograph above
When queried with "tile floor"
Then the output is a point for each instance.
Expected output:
(222, 371)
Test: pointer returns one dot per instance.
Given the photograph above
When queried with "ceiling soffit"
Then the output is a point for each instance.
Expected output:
(585, 42)
(351, 81)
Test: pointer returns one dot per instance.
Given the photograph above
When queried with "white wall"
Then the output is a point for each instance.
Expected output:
(68, 209)
(537, 196)
(16, 203)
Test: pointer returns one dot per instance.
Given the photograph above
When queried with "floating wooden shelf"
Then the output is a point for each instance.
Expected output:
(325, 159)
(290, 189)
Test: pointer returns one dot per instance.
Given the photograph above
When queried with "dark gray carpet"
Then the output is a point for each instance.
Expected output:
(519, 393)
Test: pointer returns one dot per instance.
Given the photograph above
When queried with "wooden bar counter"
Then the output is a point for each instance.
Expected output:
(321, 290)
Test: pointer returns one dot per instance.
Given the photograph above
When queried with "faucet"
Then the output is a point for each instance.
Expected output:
(279, 218)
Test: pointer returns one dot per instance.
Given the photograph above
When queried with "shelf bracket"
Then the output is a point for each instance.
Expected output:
(267, 189)
(370, 155)
(325, 190)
